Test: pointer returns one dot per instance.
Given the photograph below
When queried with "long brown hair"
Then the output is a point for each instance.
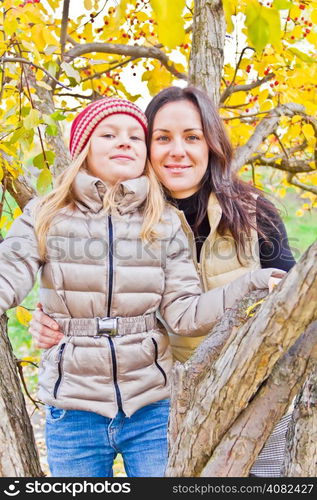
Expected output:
(238, 200)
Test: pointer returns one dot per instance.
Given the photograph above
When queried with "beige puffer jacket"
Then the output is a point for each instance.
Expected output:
(97, 266)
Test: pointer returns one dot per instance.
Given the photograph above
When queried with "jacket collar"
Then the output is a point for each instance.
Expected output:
(89, 192)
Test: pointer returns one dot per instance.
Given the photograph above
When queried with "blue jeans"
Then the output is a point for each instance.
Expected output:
(85, 444)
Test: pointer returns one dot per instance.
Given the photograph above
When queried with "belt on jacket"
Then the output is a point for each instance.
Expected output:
(97, 327)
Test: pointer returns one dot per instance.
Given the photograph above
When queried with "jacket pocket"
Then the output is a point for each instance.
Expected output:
(156, 360)
(60, 358)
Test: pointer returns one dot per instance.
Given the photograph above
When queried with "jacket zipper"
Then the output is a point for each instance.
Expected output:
(156, 362)
(115, 380)
(110, 259)
(60, 373)
(110, 288)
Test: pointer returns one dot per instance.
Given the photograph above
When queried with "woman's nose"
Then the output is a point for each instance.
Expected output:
(177, 148)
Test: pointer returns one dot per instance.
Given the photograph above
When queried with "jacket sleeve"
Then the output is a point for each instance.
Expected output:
(19, 260)
(184, 308)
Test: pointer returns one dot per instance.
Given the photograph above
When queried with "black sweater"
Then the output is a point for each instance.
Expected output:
(274, 252)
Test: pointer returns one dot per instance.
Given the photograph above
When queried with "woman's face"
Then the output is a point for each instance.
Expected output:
(179, 151)
(117, 149)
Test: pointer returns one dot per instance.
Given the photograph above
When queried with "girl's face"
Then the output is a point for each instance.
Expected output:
(117, 149)
(179, 151)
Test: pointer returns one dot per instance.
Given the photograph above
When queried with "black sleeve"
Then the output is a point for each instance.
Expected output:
(274, 251)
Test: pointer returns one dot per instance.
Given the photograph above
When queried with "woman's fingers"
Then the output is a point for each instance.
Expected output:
(44, 330)
(273, 282)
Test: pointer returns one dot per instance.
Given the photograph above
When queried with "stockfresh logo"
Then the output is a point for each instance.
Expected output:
(13, 489)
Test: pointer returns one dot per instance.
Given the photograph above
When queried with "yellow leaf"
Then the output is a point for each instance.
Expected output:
(23, 315)
(1, 173)
(266, 106)
(88, 4)
(169, 17)
(17, 212)
(299, 213)
(308, 130)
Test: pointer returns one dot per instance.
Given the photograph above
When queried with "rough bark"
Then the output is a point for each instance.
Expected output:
(301, 447)
(239, 448)
(245, 361)
(206, 57)
(21, 190)
(18, 452)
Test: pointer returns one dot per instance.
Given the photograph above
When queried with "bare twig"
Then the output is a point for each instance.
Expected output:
(244, 88)
(25, 61)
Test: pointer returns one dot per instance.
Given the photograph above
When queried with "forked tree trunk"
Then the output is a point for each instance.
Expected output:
(18, 452)
(301, 450)
(211, 389)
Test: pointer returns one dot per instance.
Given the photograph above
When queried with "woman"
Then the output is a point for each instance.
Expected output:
(231, 228)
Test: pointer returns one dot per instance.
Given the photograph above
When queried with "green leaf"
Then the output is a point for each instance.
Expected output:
(32, 120)
(272, 16)
(17, 134)
(282, 4)
(44, 181)
(304, 57)
(58, 115)
(39, 160)
(51, 130)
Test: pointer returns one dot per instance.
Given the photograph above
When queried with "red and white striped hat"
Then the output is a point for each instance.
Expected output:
(88, 119)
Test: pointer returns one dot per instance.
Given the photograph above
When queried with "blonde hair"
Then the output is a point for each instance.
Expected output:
(62, 196)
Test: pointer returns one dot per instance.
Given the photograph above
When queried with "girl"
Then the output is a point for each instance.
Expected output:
(111, 255)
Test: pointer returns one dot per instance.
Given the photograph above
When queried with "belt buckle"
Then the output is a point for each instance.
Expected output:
(107, 326)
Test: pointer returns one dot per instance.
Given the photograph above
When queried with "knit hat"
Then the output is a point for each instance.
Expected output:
(88, 119)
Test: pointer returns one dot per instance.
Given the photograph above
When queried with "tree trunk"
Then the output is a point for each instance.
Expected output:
(208, 404)
(301, 448)
(206, 57)
(239, 448)
(18, 452)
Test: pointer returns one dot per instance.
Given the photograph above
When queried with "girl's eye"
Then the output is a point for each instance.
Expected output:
(135, 138)
(108, 136)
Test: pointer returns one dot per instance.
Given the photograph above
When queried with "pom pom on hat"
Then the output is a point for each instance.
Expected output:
(87, 120)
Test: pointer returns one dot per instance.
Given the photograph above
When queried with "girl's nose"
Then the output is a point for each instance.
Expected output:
(124, 143)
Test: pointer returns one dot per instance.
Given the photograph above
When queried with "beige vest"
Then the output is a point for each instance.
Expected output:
(219, 265)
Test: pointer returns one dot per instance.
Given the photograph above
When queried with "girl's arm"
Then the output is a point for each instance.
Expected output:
(188, 311)
(19, 260)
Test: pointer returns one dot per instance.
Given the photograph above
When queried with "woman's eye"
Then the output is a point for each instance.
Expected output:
(162, 138)
(193, 137)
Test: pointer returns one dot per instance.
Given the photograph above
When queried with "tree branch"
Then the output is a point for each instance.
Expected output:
(297, 183)
(30, 63)
(265, 127)
(244, 88)
(135, 51)
(63, 37)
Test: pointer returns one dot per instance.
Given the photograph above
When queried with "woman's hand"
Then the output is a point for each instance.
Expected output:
(44, 330)
(275, 278)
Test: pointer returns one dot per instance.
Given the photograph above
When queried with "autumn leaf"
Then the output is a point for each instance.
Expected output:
(23, 315)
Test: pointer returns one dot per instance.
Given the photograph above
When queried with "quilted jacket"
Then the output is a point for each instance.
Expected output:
(97, 266)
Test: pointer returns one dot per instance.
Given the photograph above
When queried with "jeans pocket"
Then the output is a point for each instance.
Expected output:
(54, 414)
